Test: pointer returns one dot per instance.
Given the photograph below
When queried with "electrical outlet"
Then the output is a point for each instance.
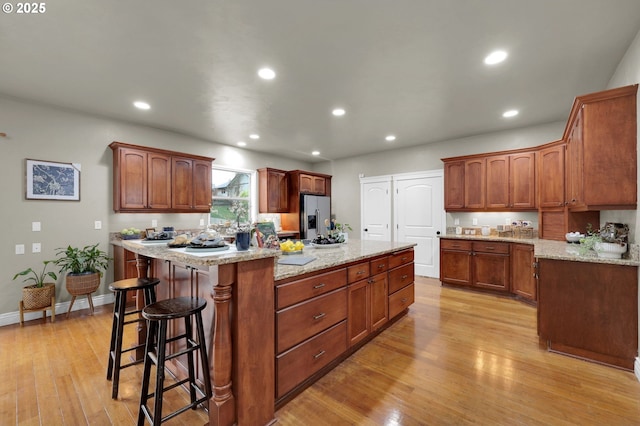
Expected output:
(35, 226)
(19, 248)
(201, 222)
(97, 224)
(36, 248)
(154, 223)
(456, 221)
(474, 220)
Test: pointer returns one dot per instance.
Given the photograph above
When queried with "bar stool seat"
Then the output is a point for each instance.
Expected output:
(158, 315)
(120, 315)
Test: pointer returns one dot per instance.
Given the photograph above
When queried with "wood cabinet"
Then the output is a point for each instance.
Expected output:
(401, 281)
(551, 175)
(511, 181)
(273, 191)
(474, 183)
(601, 151)
(523, 281)
(589, 310)
(154, 180)
(454, 185)
(368, 305)
(310, 183)
(475, 264)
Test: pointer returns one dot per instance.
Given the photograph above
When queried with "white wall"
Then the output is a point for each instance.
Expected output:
(45, 133)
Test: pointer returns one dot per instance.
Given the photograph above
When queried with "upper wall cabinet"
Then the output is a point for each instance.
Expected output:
(273, 191)
(154, 180)
(551, 175)
(601, 151)
(310, 183)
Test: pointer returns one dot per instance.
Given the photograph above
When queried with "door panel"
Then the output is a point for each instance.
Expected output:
(376, 210)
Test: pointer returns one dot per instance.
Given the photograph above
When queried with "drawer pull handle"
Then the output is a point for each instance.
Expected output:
(317, 317)
(404, 300)
(360, 272)
(404, 277)
(404, 258)
(319, 285)
(319, 354)
(381, 266)
(490, 248)
(455, 245)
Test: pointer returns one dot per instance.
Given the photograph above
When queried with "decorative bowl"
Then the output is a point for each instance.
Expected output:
(610, 250)
(573, 237)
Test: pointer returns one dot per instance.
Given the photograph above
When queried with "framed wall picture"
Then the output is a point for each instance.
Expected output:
(49, 180)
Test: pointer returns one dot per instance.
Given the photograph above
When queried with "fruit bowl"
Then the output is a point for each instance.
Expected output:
(130, 236)
(573, 237)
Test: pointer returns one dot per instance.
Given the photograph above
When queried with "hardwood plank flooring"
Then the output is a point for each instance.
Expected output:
(457, 357)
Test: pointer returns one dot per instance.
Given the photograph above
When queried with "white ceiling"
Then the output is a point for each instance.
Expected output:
(413, 68)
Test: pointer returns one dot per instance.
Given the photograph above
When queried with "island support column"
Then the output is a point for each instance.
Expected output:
(242, 356)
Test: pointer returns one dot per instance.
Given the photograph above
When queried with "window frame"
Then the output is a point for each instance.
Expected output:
(253, 190)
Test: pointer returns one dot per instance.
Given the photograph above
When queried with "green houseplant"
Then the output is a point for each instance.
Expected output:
(84, 267)
(38, 294)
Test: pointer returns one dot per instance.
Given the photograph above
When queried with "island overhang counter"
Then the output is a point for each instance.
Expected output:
(240, 288)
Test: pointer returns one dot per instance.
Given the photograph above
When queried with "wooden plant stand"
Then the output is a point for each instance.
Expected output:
(44, 311)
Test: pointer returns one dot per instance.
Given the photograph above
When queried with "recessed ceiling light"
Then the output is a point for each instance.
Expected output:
(254, 136)
(267, 73)
(390, 138)
(315, 153)
(338, 112)
(495, 57)
(242, 143)
(510, 113)
(141, 105)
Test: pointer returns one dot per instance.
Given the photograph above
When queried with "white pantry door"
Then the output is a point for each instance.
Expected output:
(375, 208)
(419, 217)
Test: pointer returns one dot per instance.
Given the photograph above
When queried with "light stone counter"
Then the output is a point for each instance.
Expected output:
(559, 250)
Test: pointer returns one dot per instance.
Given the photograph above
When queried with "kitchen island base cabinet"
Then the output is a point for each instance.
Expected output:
(589, 310)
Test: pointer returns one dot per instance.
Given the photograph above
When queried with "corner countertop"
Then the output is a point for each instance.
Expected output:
(559, 250)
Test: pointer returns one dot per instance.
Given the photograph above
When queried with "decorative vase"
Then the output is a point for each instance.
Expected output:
(38, 297)
(242, 241)
(610, 250)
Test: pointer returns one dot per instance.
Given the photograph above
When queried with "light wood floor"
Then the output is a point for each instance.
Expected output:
(457, 358)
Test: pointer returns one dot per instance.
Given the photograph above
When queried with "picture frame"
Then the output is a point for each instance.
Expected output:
(51, 180)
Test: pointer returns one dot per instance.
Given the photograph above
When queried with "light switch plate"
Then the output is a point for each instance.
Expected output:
(475, 220)
(97, 224)
(19, 248)
(35, 226)
(154, 223)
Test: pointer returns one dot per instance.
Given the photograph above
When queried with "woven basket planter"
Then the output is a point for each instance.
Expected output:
(38, 297)
(80, 284)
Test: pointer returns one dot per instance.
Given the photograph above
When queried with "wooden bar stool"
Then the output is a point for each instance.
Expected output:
(158, 315)
(120, 315)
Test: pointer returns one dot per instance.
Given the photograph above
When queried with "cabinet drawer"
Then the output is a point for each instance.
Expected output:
(490, 247)
(401, 277)
(298, 291)
(400, 258)
(299, 322)
(400, 300)
(455, 244)
(357, 272)
(377, 266)
(297, 364)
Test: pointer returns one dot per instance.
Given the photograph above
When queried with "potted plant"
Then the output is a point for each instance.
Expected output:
(38, 294)
(609, 242)
(84, 267)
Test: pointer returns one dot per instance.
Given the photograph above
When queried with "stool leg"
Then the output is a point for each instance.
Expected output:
(144, 392)
(114, 331)
(204, 358)
(161, 351)
(192, 374)
(118, 348)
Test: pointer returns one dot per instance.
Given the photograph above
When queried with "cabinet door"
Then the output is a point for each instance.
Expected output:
(159, 181)
(133, 179)
(455, 267)
(474, 184)
(379, 300)
(523, 281)
(182, 196)
(358, 312)
(497, 182)
(306, 184)
(551, 177)
(491, 271)
(454, 185)
(201, 186)
(575, 164)
(522, 181)
(319, 185)
(273, 191)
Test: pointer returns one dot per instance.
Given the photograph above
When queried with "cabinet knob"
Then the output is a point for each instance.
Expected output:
(317, 317)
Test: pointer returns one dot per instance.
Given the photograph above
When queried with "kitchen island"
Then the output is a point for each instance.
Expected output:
(241, 291)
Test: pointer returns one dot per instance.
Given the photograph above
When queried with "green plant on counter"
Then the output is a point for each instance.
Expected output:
(37, 278)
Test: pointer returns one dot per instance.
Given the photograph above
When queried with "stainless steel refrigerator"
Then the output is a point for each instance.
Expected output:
(314, 210)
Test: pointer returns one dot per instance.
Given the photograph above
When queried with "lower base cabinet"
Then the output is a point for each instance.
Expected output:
(523, 279)
(479, 264)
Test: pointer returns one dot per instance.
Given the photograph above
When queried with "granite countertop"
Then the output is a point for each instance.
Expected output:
(559, 250)
(352, 251)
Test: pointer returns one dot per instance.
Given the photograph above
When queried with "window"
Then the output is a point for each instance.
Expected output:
(230, 189)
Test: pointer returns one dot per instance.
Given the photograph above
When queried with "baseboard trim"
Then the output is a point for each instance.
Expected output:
(61, 308)
(636, 368)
